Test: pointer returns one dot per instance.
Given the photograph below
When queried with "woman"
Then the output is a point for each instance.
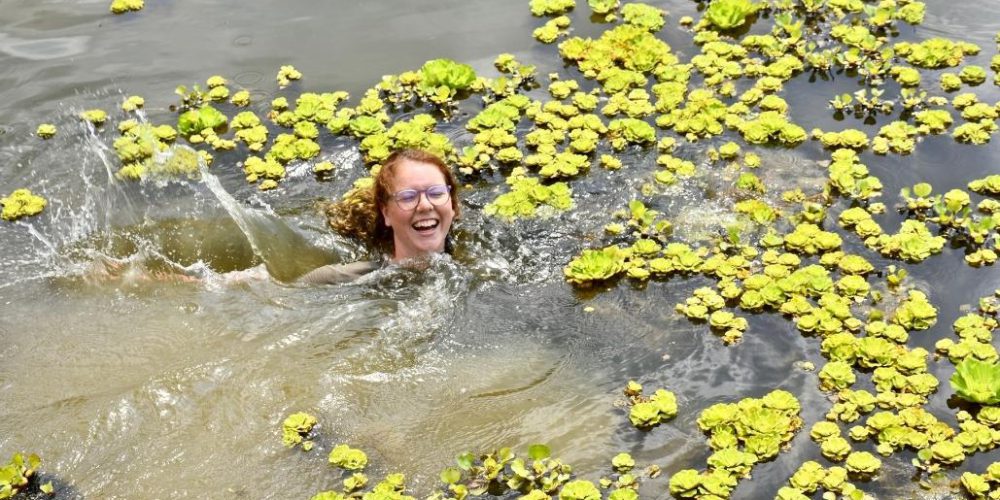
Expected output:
(406, 214)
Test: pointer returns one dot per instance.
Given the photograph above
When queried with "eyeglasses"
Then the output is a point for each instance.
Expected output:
(408, 199)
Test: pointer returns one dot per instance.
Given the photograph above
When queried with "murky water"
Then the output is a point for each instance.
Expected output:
(176, 388)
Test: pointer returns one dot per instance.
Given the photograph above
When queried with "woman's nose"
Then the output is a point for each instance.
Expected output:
(423, 202)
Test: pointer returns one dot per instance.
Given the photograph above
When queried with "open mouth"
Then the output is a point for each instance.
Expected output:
(425, 226)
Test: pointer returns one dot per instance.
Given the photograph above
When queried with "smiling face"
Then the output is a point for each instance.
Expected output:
(423, 229)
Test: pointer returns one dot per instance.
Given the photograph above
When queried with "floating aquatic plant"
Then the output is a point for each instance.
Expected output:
(977, 381)
(528, 195)
(295, 428)
(742, 434)
(16, 474)
(287, 74)
(551, 7)
(348, 458)
(123, 6)
(595, 266)
(94, 116)
(648, 412)
(46, 131)
(197, 121)
(603, 6)
(132, 103)
(21, 203)
(729, 14)
(935, 52)
(552, 30)
(643, 16)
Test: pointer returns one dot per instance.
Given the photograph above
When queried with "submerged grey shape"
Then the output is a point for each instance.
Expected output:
(43, 48)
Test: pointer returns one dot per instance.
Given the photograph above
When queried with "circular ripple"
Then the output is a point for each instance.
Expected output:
(242, 41)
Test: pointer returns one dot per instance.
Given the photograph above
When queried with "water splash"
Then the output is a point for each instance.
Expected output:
(286, 253)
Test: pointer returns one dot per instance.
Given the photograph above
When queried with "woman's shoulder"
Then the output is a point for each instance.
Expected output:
(338, 273)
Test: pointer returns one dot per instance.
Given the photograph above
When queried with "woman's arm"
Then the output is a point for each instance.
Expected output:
(337, 273)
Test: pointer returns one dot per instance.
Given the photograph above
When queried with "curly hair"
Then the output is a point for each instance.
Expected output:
(359, 213)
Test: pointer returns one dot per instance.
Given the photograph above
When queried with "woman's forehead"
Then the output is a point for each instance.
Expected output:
(411, 173)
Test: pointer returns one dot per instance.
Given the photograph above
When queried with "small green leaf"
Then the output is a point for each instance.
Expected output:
(539, 451)
(450, 475)
(465, 460)
(922, 189)
(47, 488)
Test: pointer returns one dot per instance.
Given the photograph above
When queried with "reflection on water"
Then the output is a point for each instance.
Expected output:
(42, 49)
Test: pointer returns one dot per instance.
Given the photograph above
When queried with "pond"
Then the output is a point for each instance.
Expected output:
(150, 347)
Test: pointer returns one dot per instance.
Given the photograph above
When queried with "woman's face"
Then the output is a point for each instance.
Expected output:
(422, 229)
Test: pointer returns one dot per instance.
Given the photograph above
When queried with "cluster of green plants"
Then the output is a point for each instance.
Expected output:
(648, 412)
(983, 486)
(17, 474)
(741, 434)
(21, 203)
(296, 428)
(536, 475)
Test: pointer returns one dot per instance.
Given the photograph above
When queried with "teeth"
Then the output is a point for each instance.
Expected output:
(425, 224)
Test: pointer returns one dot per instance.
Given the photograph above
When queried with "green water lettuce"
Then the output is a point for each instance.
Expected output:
(595, 266)
(975, 133)
(810, 239)
(914, 242)
(447, 73)
(771, 126)
(934, 121)
(21, 203)
(196, 121)
(835, 448)
(897, 137)
(987, 185)
(935, 52)
(905, 76)
(123, 6)
(976, 381)
(603, 6)
(132, 103)
(287, 74)
(643, 16)
(863, 463)
(848, 138)
(552, 29)
(972, 75)
(295, 428)
(729, 14)
(579, 490)
(16, 474)
(240, 99)
(949, 82)
(348, 458)
(916, 312)
(256, 168)
(46, 131)
(975, 485)
(623, 462)
(624, 131)
(94, 116)
(685, 483)
(551, 7)
(659, 408)
(836, 375)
